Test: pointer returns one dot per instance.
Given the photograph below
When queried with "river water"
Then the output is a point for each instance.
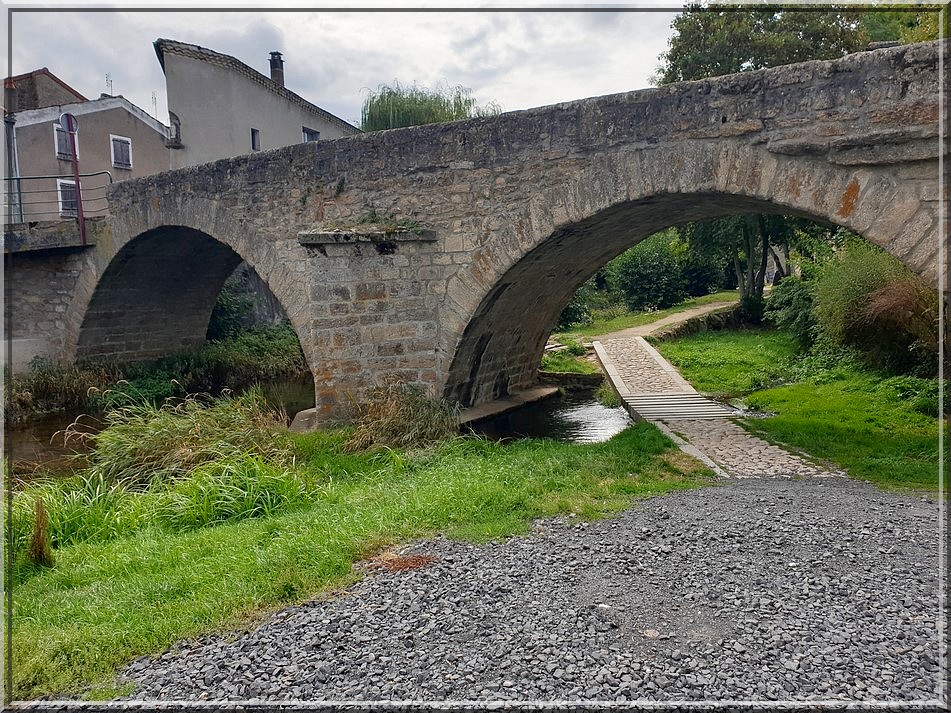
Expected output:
(575, 416)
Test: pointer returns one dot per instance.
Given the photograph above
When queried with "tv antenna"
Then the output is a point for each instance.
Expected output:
(109, 82)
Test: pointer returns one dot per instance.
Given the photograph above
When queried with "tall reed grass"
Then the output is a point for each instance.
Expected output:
(403, 416)
(251, 357)
(142, 443)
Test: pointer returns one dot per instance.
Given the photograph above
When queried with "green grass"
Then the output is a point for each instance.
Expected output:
(729, 361)
(104, 603)
(613, 319)
(877, 428)
(566, 363)
(869, 431)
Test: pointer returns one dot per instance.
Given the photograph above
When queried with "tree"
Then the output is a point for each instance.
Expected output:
(712, 40)
(391, 107)
(709, 41)
(901, 24)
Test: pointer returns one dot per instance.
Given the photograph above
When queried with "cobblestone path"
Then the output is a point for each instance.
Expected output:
(743, 455)
(640, 371)
(635, 367)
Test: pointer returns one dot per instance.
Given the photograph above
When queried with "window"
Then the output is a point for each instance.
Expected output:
(255, 140)
(175, 131)
(121, 151)
(66, 195)
(61, 143)
(310, 134)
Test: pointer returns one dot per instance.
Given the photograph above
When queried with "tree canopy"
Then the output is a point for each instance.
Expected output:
(711, 40)
(393, 106)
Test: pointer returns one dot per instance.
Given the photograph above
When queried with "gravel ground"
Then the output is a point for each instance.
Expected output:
(757, 589)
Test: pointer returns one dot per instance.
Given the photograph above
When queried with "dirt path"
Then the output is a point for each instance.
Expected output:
(644, 329)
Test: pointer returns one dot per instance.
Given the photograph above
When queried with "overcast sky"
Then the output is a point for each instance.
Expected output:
(518, 59)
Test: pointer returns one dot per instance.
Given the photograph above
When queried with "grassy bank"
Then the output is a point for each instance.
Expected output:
(570, 360)
(878, 428)
(727, 362)
(218, 541)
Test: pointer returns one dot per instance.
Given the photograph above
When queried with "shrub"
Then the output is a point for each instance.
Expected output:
(649, 274)
(790, 308)
(702, 273)
(751, 308)
(867, 299)
(575, 313)
(403, 415)
(253, 356)
(231, 313)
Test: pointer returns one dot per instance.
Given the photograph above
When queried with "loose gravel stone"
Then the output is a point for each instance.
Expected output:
(811, 589)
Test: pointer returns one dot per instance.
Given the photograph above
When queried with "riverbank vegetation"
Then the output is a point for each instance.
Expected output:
(195, 539)
(659, 276)
(235, 362)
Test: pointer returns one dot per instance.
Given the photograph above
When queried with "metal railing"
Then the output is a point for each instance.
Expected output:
(26, 201)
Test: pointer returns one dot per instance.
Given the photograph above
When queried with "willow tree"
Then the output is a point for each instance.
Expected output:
(393, 106)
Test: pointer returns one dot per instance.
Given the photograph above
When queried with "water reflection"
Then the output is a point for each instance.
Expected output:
(576, 417)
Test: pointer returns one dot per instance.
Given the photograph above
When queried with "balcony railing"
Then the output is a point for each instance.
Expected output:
(28, 200)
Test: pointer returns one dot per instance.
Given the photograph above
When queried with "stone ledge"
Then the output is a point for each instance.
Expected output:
(481, 412)
(49, 235)
(345, 237)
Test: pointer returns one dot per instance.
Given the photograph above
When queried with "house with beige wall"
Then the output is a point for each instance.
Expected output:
(116, 140)
(220, 107)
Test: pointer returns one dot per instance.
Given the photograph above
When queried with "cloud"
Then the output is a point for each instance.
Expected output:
(519, 59)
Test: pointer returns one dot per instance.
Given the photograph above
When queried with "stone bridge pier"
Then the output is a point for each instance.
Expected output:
(503, 218)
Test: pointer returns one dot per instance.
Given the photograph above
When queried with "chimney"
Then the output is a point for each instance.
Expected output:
(277, 68)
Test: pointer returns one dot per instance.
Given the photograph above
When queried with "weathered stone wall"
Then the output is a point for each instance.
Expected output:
(156, 297)
(526, 206)
(43, 264)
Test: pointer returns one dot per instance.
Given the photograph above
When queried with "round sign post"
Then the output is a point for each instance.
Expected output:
(71, 127)
(69, 123)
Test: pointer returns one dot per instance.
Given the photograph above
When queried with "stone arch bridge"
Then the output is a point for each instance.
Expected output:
(518, 210)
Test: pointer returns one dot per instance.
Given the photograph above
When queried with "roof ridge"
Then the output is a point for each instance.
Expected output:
(198, 52)
(11, 81)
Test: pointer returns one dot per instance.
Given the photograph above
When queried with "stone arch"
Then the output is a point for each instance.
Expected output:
(150, 286)
(156, 295)
(502, 306)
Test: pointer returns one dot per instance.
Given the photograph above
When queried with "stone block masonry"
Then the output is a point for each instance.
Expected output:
(522, 209)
